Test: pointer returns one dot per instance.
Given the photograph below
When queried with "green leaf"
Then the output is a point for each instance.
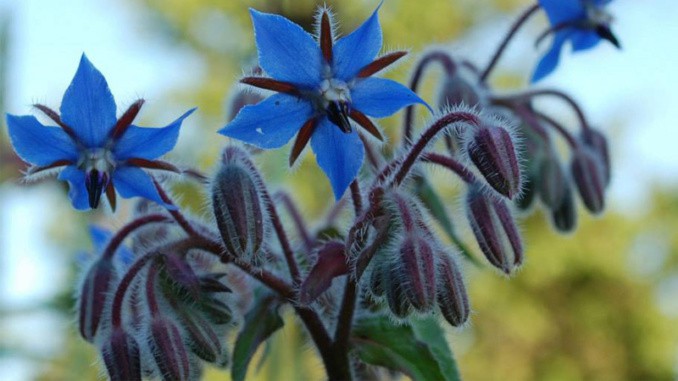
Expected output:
(409, 349)
(429, 331)
(260, 323)
(435, 205)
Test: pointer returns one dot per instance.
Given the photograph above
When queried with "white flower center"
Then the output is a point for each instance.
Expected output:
(597, 15)
(100, 159)
(334, 90)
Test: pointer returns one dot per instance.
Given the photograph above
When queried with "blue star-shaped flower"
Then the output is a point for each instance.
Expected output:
(583, 22)
(93, 149)
(321, 87)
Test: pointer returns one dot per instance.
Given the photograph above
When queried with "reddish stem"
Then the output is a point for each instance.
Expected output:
(126, 230)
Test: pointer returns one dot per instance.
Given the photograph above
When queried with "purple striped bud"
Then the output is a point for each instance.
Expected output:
(379, 277)
(564, 217)
(211, 283)
(120, 353)
(178, 277)
(94, 294)
(168, 349)
(216, 310)
(417, 271)
(492, 151)
(589, 177)
(202, 337)
(552, 181)
(596, 141)
(494, 229)
(236, 198)
(451, 292)
(397, 301)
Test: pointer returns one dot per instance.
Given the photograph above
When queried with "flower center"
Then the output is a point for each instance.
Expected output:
(98, 164)
(335, 100)
(597, 15)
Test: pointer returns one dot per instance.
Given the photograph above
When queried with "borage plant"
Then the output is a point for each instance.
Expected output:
(372, 293)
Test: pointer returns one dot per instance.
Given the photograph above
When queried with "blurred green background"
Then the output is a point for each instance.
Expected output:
(597, 305)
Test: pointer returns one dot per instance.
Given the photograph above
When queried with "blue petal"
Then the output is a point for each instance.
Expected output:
(77, 191)
(148, 143)
(550, 60)
(584, 40)
(378, 97)
(270, 123)
(358, 49)
(38, 144)
(559, 11)
(88, 106)
(100, 237)
(339, 154)
(286, 51)
(133, 182)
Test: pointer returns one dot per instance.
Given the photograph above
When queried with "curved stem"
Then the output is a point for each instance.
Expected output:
(129, 228)
(427, 137)
(571, 140)
(528, 95)
(451, 164)
(176, 213)
(296, 217)
(450, 68)
(509, 36)
(282, 236)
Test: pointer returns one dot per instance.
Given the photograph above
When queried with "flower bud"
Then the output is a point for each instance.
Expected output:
(451, 292)
(178, 278)
(552, 181)
(397, 301)
(564, 217)
(203, 339)
(494, 229)
(94, 294)
(589, 177)
(597, 142)
(457, 91)
(211, 283)
(237, 205)
(216, 310)
(379, 276)
(493, 153)
(120, 353)
(417, 271)
(241, 99)
(168, 349)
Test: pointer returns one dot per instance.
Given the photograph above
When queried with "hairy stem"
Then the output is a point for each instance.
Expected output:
(509, 36)
(530, 94)
(129, 228)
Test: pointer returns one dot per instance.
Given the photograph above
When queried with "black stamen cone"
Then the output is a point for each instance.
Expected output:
(337, 113)
(96, 183)
(605, 32)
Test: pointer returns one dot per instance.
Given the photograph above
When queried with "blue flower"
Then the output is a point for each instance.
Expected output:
(102, 237)
(322, 86)
(92, 149)
(583, 22)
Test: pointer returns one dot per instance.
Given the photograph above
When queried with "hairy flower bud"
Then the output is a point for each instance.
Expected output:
(417, 271)
(177, 277)
(552, 181)
(202, 337)
(215, 309)
(236, 198)
(121, 356)
(94, 294)
(456, 90)
(397, 301)
(597, 142)
(492, 151)
(494, 229)
(589, 177)
(168, 349)
(451, 292)
(564, 217)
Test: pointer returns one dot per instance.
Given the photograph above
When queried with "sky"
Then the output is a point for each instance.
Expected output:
(630, 94)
